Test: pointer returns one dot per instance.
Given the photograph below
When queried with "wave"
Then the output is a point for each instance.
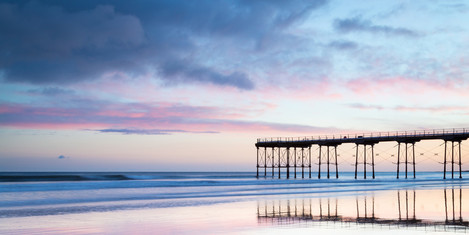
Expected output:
(39, 178)
(100, 176)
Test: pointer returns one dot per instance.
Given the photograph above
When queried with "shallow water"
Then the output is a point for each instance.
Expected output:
(224, 203)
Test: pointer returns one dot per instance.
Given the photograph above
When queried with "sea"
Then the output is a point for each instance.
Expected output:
(232, 203)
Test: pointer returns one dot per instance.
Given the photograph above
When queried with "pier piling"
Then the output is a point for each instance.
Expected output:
(279, 162)
(459, 145)
(309, 148)
(373, 160)
(356, 161)
(328, 176)
(257, 175)
(265, 162)
(398, 156)
(295, 160)
(302, 163)
(273, 161)
(319, 159)
(406, 162)
(364, 161)
(444, 163)
(288, 163)
(336, 163)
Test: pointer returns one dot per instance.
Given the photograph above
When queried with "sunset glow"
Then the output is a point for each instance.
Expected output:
(190, 85)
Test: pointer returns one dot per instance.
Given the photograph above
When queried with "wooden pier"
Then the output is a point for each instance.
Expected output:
(295, 153)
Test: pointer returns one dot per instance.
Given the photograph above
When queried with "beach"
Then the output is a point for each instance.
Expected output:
(229, 203)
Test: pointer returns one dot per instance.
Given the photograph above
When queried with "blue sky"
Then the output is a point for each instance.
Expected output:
(178, 85)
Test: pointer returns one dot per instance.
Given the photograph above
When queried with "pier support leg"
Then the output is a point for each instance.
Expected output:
(413, 158)
(336, 164)
(364, 161)
(328, 176)
(319, 166)
(452, 159)
(302, 163)
(373, 160)
(257, 165)
(406, 160)
(309, 162)
(295, 160)
(444, 162)
(398, 156)
(356, 161)
(279, 162)
(265, 162)
(459, 152)
(288, 163)
(273, 162)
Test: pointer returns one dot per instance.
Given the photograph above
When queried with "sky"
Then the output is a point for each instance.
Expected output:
(174, 85)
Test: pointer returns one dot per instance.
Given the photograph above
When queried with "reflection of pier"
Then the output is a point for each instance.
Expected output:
(451, 217)
(295, 153)
(320, 210)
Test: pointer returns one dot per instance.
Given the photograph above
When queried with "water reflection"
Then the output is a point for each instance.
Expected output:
(401, 208)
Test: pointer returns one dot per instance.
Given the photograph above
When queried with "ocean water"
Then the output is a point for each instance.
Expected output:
(230, 203)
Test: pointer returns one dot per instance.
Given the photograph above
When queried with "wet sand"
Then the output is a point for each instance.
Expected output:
(441, 207)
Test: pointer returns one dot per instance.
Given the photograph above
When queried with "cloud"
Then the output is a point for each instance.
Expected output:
(47, 45)
(365, 106)
(57, 42)
(62, 157)
(410, 108)
(343, 45)
(51, 91)
(357, 24)
(142, 119)
(447, 87)
(179, 71)
(150, 131)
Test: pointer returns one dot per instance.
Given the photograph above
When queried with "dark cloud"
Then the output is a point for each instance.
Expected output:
(343, 45)
(357, 24)
(45, 44)
(51, 91)
(62, 157)
(60, 42)
(180, 71)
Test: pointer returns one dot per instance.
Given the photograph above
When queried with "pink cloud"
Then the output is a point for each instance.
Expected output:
(136, 118)
(301, 89)
(400, 85)
(437, 108)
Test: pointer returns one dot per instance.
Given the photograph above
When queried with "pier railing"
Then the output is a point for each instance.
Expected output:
(390, 134)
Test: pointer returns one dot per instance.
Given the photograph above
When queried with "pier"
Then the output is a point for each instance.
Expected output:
(295, 153)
